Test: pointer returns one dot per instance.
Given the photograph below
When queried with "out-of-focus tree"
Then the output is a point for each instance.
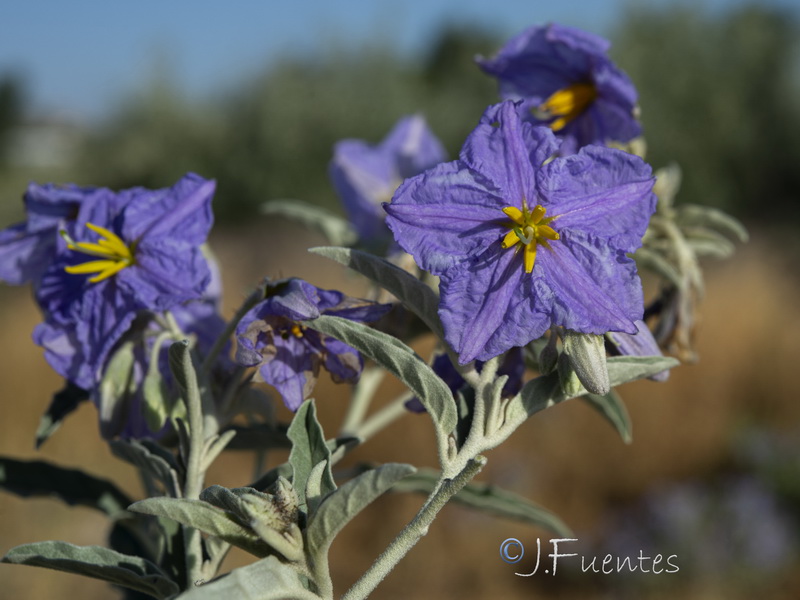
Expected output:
(719, 95)
(10, 111)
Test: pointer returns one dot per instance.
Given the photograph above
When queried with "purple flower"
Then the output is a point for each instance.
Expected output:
(521, 244)
(641, 343)
(365, 176)
(136, 250)
(288, 354)
(28, 248)
(565, 80)
(513, 365)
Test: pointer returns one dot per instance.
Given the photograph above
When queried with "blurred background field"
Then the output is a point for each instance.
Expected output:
(713, 474)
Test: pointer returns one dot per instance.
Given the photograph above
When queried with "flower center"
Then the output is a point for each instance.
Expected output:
(115, 255)
(529, 228)
(565, 105)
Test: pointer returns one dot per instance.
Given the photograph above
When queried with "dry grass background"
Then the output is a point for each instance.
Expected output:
(567, 459)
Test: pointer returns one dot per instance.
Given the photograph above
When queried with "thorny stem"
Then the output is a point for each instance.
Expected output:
(413, 532)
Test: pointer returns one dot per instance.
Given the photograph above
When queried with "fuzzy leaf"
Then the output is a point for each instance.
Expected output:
(613, 409)
(117, 384)
(95, 561)
(76, 488)
(63, 403)
(414, 294)
(204, 517)
(267, 579)
(401, 361)
(308, 450)
(150, 457)
(652, 261)
(706, 216)
(337, 230)
(350, 499)
(489, 499)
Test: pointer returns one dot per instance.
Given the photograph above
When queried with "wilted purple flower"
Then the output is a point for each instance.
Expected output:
(365, 176)
(28, 248)
(520, 245)
(513, 365)
(566, 81)
(641, 343)
(288, 354)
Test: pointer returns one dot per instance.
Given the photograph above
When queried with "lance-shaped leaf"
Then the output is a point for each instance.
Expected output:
(545, 391)
(489, 499)
(64, 402)
(414, 294)
(206, 518)
(40, 478)
(115, 387)
(149, 457)
(95, 561)
(401, 361)
(613, 409)
(706, 216)
(340, 507)
(308, 450)
(267, 579)
(336, 229)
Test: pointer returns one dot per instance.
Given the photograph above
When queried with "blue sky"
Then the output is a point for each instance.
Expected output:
(79, 57)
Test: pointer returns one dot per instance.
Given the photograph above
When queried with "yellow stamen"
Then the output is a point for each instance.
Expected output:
(115, 253)
(530, 228)
(567, 104)
(297, 330)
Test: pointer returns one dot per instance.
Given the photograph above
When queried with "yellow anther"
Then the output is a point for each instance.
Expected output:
(115, 253)
(530, 228)
(297, 330)
(568, 103)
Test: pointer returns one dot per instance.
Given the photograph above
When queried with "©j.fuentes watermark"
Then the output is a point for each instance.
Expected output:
(512, 551)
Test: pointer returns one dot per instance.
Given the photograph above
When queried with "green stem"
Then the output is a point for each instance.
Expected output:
(385, 416)
(413, 532)
(362, 397)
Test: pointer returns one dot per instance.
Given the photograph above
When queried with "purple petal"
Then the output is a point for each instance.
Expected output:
(413, 146)
(445, 215)
(601, 191)
(343, 362)
(496, 149)
(642, 343)
(595, 288)
(25, 256)
(292, 371)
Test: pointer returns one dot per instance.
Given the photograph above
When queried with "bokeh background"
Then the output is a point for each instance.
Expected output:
(256, 94)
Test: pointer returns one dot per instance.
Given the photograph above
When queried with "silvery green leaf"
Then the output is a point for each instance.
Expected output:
(709, 243)
(115, 386)
(706, 216)
(567, 377)
(401, 361)
(308, 450)
(587, 355)
(214, 447)
(489, 499)
(314, 486)
(414, 294)
(267, 579)
(155, 407)
(545, 391)
(653, 261)
(338, 447)
(38, 478)
(149, 457)
(337, 230)
(180, 365)
(350, 499)
(94, 561)
(204, 517)
(63, 403)
(613, 409)
(223, 498)
(668, 182)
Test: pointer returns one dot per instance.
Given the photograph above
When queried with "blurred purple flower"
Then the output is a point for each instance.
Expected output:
(365, 176)
(566, 81)
(508, 272)
(289, 355)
